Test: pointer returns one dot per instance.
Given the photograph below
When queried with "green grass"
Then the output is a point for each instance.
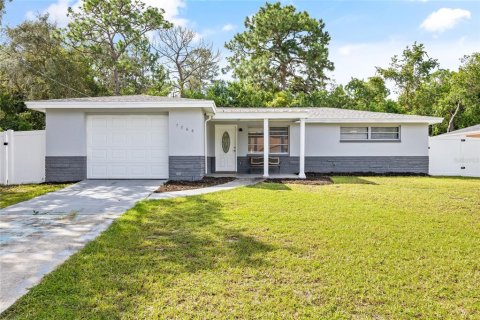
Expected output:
(17, 193)
(363, 248)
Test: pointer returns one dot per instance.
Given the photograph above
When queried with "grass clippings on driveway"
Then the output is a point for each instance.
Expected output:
(364, 248)
(10, 195)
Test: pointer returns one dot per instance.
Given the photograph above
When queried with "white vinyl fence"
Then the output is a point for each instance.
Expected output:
(455, 155)
(22, 157)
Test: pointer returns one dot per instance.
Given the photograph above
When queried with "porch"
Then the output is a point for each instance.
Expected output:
(240, 143)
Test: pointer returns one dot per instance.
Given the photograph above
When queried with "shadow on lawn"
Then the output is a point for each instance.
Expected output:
(351, 180)
(270, 186)
(192, 234)
(148, 250)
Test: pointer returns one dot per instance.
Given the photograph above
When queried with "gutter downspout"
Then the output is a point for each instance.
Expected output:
(205, 144)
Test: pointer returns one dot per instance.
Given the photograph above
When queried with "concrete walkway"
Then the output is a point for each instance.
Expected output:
(39, 234)
(223, 187)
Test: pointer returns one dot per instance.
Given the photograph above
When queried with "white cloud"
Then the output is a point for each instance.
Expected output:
(228, 27)
(360, 59)
(58, 10)
(172, 9)
(444, 19)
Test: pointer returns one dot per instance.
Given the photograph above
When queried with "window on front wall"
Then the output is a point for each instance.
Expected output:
(278, 141)
(370, 133)
(354, 133)
(385, 133)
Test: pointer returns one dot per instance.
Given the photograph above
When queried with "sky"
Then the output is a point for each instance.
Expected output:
(364, 33)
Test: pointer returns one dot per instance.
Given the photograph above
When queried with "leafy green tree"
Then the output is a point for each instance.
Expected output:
(111, 32)
(461, 106)
(2, 9)
(370, 95)
(14, 114)
(281, 50)
(408, 73)
(34, 64)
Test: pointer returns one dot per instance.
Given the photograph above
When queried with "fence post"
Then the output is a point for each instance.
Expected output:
(3, 161)
(11, 161)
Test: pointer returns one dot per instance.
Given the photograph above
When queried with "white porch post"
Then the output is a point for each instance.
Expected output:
(266, 147)
(301, 173)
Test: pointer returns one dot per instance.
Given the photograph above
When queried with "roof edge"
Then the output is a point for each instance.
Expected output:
(43, 105)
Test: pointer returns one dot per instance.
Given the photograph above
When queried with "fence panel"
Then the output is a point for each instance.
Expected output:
(454, 156)
(22, 157)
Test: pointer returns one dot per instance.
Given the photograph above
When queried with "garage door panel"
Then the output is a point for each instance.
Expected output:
(99, 155)
(127, 147)
(118, 155)
(99, 170)
(99, 123)
(99, 140)
(118, 139)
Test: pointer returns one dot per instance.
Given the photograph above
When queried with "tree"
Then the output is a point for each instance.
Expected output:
(370, 95)
(2, 9)
(408, 73)
(35, 65)
(14, 114)
(282, 49)
(462, 103)
(192, 64)
(110, 32)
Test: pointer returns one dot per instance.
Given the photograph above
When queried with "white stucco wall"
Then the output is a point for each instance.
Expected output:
(324, 140)
(65, 133)
(186, 132)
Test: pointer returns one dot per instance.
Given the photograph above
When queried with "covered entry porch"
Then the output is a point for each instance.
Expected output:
(244, 143)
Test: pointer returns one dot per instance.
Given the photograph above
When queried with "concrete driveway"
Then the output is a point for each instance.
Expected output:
(38, 235)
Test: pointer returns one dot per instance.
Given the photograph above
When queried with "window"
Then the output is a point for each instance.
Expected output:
(370, 133)
(354, 133)
(278, 140)
(385, 133)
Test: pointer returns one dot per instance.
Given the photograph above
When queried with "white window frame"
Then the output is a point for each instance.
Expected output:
(369, 134)
(257, 129)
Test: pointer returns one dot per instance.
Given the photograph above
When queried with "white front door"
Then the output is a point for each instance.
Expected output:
(225, 148)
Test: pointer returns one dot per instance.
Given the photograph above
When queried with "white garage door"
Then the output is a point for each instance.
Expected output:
(127, 147)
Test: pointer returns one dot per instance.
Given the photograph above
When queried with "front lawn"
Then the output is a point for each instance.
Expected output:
(17, 193)
(363, 248)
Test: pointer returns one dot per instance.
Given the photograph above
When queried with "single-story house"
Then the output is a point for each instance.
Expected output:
(148, 137)
(456, 153)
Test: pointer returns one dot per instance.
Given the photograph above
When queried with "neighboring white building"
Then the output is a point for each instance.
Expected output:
(456, 153)
(146, 137)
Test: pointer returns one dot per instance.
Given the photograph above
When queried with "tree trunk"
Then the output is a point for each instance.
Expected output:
(450, 123)
(116, 82)
(283, 76)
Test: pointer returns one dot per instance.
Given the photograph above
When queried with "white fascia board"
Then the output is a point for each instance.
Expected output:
(259, 115)
(43, 105)
(357, 120)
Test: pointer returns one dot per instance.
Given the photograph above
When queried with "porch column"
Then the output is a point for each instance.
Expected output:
(266, 147)
(301, 173)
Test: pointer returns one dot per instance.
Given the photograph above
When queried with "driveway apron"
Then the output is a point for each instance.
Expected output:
(39, 234)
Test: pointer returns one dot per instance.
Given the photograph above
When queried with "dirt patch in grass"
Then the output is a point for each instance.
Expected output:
(312, 179)
(188, 185)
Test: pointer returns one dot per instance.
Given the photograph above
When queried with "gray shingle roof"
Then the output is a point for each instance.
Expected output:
(337, 114)
(131, 98)
(475, 128)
